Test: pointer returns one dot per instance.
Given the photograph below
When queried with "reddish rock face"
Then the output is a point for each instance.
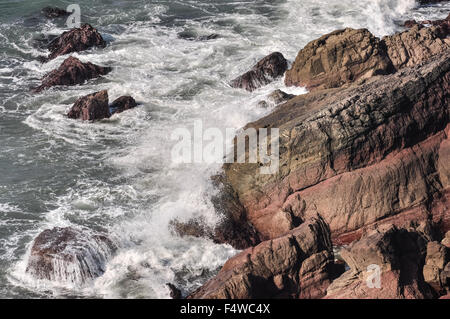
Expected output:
(399, 254)
(338, 58)
(71, 72)
(264, 72)
(123, 103)
(91, 107)
(357, 156)
(67, 254)
(298, 264)
(75, 40)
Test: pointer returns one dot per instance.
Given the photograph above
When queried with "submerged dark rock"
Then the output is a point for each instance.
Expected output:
(265, 71)
(175, 293)
(193, 36)
(53, 12)
(121, 104)
(69, 255)
(71, 72)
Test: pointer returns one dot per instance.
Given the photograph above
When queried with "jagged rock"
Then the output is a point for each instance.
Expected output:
(416, 45)
(53, 12)
(360, 156)
(340, 57)
(264, 72)
(436, 271)
(300, 263)
(122, 103)
(71, 72)
(69, 255)
(398, 254)
(75, 40)
(91, 107)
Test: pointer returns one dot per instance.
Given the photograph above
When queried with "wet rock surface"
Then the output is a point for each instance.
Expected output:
(122, 103)
(91, 107)
(95, 106)
(264, 72)
(75, 40)
(69, 255)
(71, 72)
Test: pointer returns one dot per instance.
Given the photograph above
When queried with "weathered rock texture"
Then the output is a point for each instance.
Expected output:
(91, 107)
(416, 45)
(71, 72)
(264, 72)
(436, 271)
(69, 255)
(400, 256)
(345, 56)
(359, 156)
(75, 40)
(338, 58)
(298, 264)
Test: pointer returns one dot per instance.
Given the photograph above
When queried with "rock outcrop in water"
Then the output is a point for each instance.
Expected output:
(91, 107)
(69, 255)
(75, 40)
(264, 72)
(298, 264)
(71, 72)
(95, 106)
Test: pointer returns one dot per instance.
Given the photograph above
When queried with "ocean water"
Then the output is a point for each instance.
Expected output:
(116, 175)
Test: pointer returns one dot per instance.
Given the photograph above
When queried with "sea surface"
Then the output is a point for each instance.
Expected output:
(116, 175)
